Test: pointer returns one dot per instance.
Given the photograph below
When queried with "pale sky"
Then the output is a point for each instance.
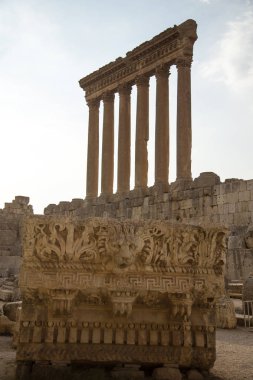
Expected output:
(46, 46)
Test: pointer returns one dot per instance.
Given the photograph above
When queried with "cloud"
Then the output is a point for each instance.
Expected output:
(232, 61)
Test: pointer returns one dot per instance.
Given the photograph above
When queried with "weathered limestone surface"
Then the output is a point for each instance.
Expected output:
(134, 292)
(225, 313)
(248, 288)
(11, 217)
(204, 201)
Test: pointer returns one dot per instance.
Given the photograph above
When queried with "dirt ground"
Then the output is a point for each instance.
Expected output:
(234, 356)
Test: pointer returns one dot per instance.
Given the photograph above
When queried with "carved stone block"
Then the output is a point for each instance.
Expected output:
(104, 291)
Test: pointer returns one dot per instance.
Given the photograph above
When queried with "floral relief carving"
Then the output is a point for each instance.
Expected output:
(126, 245)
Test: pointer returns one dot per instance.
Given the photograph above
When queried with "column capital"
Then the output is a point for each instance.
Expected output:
(184, 62)
(108, 96)
(125, 89)
(142, 80)
(162, 71)
(93, 103)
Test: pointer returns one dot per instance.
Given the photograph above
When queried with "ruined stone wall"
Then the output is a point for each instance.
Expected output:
(203, 201)
(11, 217)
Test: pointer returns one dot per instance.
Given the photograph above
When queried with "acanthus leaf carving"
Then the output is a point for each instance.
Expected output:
(124, 246)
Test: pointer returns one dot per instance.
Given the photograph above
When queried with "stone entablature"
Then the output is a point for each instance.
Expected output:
(167, 48)
(101, 290)
(174, 46)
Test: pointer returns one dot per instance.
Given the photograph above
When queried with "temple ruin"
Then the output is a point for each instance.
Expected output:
(135, 297)
(174, 46)
(125, 284)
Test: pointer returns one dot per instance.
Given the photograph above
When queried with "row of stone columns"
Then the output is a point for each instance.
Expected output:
(142, 134)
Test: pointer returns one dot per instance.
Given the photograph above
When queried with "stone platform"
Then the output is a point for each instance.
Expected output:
(105, 293)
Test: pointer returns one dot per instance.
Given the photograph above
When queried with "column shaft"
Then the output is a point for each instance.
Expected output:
(142, 133)
(108, 145)
(93, 150)
(124, 139)
(184, 133)
(162, 127)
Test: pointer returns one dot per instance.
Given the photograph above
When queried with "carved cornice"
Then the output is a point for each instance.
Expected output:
(165, 48)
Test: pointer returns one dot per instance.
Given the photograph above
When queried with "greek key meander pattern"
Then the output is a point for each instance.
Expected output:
(168, 284)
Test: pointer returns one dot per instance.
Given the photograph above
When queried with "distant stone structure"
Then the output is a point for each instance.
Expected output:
(174, 46)
(11, 217)
(103, 291)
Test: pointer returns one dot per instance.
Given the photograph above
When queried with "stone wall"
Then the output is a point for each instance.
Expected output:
(204, 201)
(11, 217)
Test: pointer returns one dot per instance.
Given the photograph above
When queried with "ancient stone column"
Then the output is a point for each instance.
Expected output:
(124, 139)
(162, 126)
(184, 134)
(142, 132)
(108, 145)
(93, 149)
